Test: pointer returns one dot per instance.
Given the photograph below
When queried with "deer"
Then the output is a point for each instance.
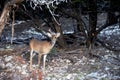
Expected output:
(42, 47)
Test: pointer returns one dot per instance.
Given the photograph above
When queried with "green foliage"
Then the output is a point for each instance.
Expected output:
(77, 78)
(53, 51)
(7, 46)
(103, 79)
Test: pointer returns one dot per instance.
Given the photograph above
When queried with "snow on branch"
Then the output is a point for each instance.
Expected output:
(43, 2)
(52, 14)
(35, 3)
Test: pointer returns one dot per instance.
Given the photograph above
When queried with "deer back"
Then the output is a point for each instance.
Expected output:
(40, 46)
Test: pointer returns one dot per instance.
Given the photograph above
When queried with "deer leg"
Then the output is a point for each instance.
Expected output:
(39, 59)
(44, 61)
(31, 56)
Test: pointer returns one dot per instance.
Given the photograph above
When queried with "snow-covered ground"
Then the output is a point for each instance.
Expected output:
(14, 65)
(14, 61)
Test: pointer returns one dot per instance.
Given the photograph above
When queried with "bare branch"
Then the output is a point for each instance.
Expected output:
(52, 14)
(5, 13)
(13, 26)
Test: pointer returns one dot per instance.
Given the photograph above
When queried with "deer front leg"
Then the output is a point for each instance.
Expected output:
(31, 56)
(44, 61)
(39, 59)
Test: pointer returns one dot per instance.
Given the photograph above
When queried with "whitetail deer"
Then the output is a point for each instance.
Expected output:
(42, 48)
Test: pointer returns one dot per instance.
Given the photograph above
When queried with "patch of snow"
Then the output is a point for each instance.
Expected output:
(67, 32)
(18, 67)
(60, 69)
(9, 58)
(116, 77)
(9, 65)
(96, 75)
(69, 76)
(18, 22)
(32, 31)
(117, 67)
(23, 72)
(92, 60)
(34, 65)
(107, 68)
(2, 64)
(24, 69)
(110, 30)
(107, 51)
(24, 66)
(93, 74)
(67, 61)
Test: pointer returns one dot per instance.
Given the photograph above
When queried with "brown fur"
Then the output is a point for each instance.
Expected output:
(42, 48)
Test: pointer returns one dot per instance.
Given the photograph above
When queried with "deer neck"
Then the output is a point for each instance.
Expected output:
(52, 42)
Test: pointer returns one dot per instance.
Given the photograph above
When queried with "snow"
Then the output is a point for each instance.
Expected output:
(17, 22)
(109, 36)
(96, 75)
(18, 67)
(42, 2)
(9, 65)
(58, 68)
(68, 32)
(107, 68)
(110, 30)
(33, 33)
(9, 58)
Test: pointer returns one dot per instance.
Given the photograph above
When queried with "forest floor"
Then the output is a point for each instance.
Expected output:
(73, 63)
(60, 65)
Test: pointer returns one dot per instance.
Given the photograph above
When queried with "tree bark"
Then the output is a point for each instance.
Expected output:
(119, 20)
(76, 14)
(111, 19)
(92, 22)
(5, 13)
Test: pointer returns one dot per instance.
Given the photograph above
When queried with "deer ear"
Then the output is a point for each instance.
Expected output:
(58, 34)
(49, 35)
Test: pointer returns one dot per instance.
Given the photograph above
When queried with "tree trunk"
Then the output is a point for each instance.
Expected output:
(92, 22)
(5, 13)
(61, 42)
(119, 20)
(111, 19)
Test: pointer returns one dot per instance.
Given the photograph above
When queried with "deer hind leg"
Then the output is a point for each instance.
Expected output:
(31, 56)
(44, 61)
(39, 59)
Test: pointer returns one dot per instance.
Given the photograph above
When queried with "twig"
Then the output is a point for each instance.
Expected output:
(52, 14)
(74, 51)
(13, 26)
